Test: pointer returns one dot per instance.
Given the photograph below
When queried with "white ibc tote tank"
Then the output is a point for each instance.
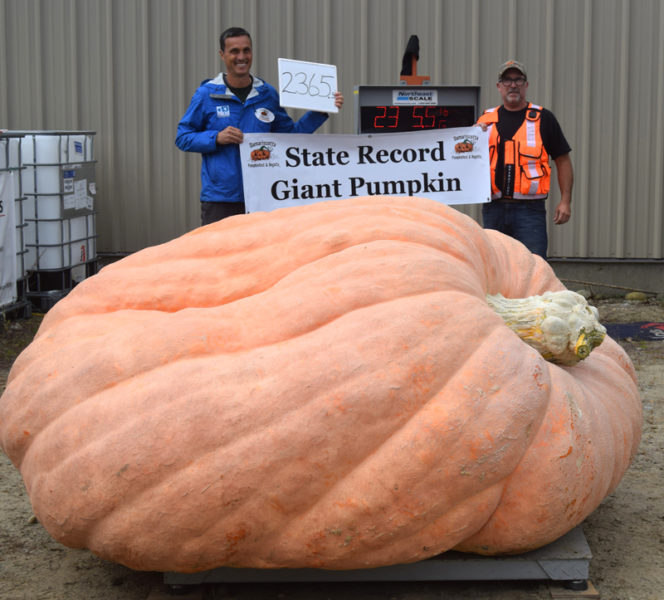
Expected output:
(58, 181)
(13, 268)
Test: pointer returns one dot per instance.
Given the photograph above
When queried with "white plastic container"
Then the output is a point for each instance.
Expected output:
(47, 152)
(10, 162)
(64, 243)
(59, 188)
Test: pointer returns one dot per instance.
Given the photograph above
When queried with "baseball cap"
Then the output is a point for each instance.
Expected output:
(511, 64)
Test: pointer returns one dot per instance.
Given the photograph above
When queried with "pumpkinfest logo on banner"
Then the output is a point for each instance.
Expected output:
(283, 169)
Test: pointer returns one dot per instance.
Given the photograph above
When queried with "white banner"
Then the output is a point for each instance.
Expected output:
(283, 169)
(8, 293)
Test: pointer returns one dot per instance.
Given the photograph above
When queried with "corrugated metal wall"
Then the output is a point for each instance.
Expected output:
(127, 68)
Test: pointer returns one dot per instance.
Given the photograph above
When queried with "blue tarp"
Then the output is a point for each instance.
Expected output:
(641, 331)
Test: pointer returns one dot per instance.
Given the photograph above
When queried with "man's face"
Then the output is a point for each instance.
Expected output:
(512, 88)
(237, 55)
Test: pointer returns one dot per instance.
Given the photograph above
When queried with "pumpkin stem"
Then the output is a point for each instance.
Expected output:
(561, 326)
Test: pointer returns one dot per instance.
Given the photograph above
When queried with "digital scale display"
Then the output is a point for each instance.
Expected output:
(392, 119)
(396, 109)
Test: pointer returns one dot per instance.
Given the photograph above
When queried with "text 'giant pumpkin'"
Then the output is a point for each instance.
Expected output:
(324, 386)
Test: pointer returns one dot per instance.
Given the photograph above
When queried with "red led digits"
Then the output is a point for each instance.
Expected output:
(418, 121)
(424, 117)
(380, 115)
(414, 118)
(387, 116)
(394, 117)
(430, 119)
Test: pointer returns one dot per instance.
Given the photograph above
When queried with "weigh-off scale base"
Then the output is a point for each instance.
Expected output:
(565, 560)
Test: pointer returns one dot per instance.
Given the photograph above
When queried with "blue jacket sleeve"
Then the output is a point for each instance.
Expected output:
(308, 123)
(192, 135)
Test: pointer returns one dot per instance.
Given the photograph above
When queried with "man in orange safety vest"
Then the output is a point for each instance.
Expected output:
(522, 137)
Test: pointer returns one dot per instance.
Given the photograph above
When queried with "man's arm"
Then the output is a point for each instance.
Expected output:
(191, 134)
(308, 122)
(565, 182)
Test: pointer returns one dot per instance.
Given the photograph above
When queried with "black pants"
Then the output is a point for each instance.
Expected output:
(211, 212)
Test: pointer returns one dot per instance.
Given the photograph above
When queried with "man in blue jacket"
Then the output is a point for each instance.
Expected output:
(220, 111)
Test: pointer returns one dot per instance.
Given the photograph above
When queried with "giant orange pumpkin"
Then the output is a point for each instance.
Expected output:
(323, 386)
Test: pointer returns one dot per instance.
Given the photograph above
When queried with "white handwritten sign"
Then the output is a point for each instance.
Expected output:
(307, 85)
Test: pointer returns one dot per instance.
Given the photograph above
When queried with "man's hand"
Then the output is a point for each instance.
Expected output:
(230, 135)
(338, 99)
(565, 181)
(563, 213)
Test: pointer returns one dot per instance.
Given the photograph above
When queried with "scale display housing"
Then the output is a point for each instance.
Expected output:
(400, 108)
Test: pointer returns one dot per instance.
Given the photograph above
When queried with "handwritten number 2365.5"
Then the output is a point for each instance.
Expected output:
(298, 84)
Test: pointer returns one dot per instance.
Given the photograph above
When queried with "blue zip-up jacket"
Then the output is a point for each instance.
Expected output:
(213, 108)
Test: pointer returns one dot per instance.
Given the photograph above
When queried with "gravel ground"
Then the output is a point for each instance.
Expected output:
(625, 534)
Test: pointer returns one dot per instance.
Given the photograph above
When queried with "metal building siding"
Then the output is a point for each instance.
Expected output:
(127, 69)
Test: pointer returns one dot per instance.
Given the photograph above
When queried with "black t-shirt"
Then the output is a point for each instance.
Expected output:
(509, 122)
(242, 92)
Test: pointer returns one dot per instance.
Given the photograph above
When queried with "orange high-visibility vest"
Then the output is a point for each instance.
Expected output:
(527, 174)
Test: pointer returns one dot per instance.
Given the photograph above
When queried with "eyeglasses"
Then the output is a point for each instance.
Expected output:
(507, 81)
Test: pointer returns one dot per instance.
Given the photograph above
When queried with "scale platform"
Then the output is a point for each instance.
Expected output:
(566, 560)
